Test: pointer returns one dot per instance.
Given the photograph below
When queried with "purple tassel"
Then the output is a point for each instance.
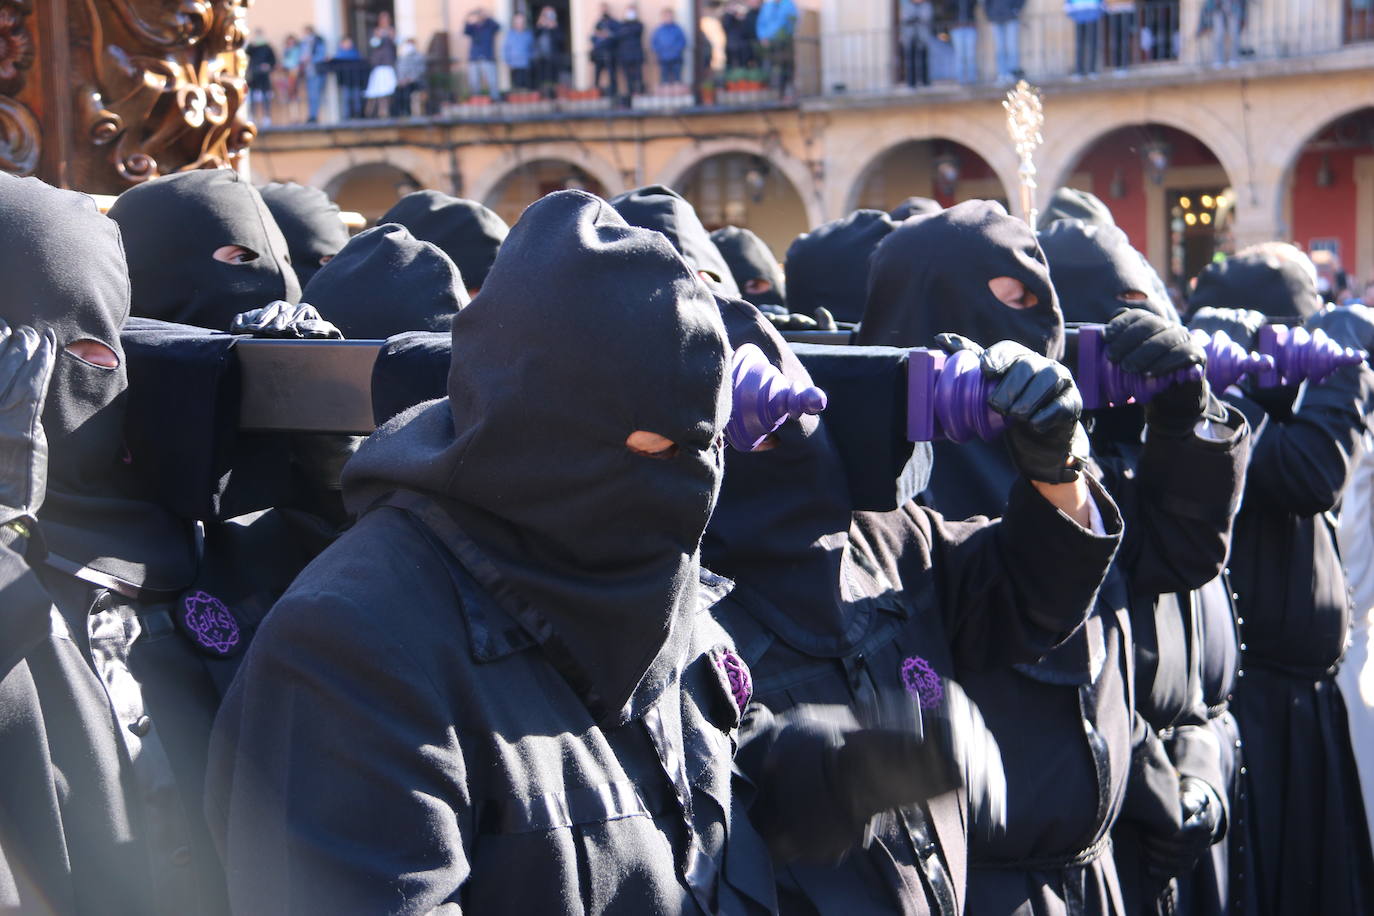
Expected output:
(1300, 356)
(764, 399)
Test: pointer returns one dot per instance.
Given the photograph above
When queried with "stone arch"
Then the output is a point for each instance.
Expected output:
(596, 166)
(370, 188)
(420, 167)
(685, 160)
(1334, 212)
(530, 180)
(989, 186)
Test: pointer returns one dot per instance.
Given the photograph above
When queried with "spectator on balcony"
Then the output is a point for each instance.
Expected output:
(481, 31)
(410, 76)
(1225, 19)
(777, 29)
(548, 50)
(711, 42)
(350, 70)
(262, 60)
(603, 51)
(289, 77)
(314, 55)
(670, 45)
(963, 34)
(1087, 21)
(739, 35)
(381, 82)
(1005, 17)
(629, 51)
(518, 50)
(915, 34)
(1120, 16)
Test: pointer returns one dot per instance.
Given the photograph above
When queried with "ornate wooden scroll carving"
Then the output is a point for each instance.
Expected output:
(131, 89)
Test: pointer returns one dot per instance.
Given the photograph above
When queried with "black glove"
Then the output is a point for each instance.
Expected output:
(26, 364)
(1042, 406)
(1174, 856)
(1241, 325)
(1147, 344)
(1347, 325)
(795, 321)
(923, 751)
(284, 321)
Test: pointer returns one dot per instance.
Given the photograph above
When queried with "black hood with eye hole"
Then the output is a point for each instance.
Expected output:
(1070, 203)
(782, 526)
(592, 548)
(469, 233)
(1094, 266)
(828, 267)
(63, 267)
(173, 225)
(384, 282)
(930, 276)
(749, 258)
(1279, 287)
(667, 212)
(309, 221)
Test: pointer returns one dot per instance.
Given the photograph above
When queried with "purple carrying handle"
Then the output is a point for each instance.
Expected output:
(1299, 356)
(764, 399)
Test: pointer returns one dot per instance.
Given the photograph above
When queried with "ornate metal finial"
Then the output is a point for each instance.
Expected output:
(1025, 118)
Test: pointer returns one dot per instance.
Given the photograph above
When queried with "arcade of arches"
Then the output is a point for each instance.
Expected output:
(1189, 169)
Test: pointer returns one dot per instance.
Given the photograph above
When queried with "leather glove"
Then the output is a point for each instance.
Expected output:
(1174, 856)
(1042, 406)
(1147, 344)
(284, 321)
(1347, 325)
(795, 321)
(1241, 325)
(923, 749)
(26, 365)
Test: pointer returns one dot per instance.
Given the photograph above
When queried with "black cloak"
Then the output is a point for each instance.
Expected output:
(750, 258)
(172, 227)
(105, 722)
(1070, 203)
(310, 222)
(664, 210)
(386, 281)
(1280, 287)
(914, 206)
(828, 267)
(515, 703)
(469, 233)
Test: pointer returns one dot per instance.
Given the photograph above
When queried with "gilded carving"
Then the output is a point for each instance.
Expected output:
(166, 90)
(20, 133)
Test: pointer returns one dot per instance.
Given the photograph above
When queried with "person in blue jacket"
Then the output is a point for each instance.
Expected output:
(518, 50)
(1087, 18)
(670, 44)
(776, 29)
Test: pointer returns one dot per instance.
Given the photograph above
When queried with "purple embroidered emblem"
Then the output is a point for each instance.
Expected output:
(210, 623)
(737, 673)
(922, 682)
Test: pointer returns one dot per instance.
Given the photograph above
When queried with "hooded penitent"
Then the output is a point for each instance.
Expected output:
(64, 270)
(172, 228)
(1070, 203)
(1097, 273)
(914, 206)
(782, 524)
(931, 277)
(828, 266)
(664, 210)
(750, 259)
(386, 281)
(593, 548)
(1266, 281)
(310, 222)
(469, 233)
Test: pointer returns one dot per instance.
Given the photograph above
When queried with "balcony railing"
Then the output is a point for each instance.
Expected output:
(1164, 37)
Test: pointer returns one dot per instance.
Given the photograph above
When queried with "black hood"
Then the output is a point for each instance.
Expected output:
(64, 270)
(914, 206)
(386, 281)
(828, 266)
(931, 276)
(172, 227)
(1280, 287)
(665, 210)
(469, 233)
(1094, 266)
(781, 528)
(309, 221)
(592, 548)
(1068, 203)
(749, 258)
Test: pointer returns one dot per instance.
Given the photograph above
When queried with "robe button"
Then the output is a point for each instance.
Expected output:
(181, 855)
(141, 726)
